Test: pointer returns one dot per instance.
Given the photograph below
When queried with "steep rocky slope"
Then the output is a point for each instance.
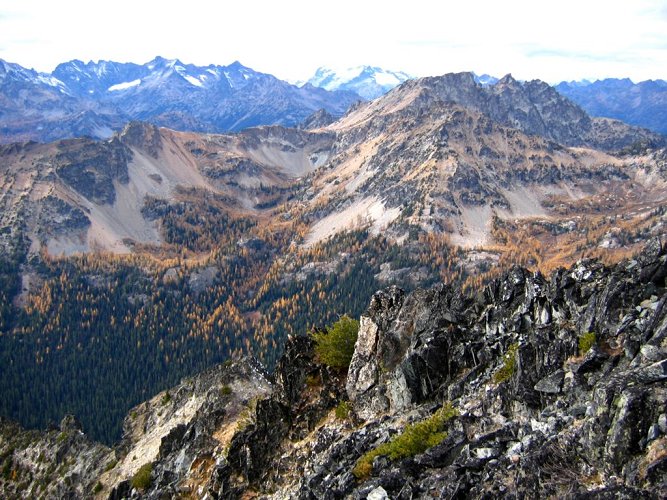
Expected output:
(557, 388)
(80, 194)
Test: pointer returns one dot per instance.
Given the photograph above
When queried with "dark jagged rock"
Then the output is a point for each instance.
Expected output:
(90, 167)
(594, 414)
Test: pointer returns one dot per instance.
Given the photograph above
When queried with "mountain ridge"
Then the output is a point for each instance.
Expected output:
(643, 104)
(96, 98)
(222, 237)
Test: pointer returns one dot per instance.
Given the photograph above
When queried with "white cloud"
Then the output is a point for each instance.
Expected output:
(532, 39)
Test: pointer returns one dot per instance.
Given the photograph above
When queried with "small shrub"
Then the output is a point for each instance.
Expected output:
(166, 398)
(343, 410)
(110, 465)
(586, 341)
(509, 365)
(312, 380)
(247, 415)
(226, 390)
(98, 487)
(335, 346)
(7, 468)
(415, 438)
(61, 437)
(142, 479)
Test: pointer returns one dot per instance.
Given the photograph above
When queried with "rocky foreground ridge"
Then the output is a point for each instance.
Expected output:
(558, 386)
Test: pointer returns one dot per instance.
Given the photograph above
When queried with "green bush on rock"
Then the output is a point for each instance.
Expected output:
(335, 346)
(142, 479)
(415, 438)
(343, 410)
(509, 365)
(586, 341)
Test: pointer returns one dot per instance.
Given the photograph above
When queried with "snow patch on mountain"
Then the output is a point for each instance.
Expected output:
(124, 85)
(50, 80)
(193, 81)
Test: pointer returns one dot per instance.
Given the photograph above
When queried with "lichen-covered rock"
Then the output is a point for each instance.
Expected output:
(59, 463)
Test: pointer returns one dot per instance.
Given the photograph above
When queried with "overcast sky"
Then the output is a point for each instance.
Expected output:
(552, 41)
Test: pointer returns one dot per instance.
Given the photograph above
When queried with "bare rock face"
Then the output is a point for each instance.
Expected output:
(398, 359)
(59, 463)
(183, 431)
(143, 136)
(90, 167)
(318, 119)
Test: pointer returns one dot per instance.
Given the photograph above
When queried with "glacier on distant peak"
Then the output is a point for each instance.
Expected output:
(368, 82)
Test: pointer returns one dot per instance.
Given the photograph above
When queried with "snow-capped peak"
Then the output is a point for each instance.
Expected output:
(485, 80)
(19, 73)
(367, 81)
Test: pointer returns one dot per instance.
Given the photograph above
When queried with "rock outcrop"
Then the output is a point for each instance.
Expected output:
(58, 463)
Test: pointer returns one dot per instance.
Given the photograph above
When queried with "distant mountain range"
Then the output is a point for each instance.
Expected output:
(643, 104)
(96, 98)
(370, 82)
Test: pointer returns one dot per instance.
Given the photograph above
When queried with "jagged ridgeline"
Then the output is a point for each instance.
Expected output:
(129, 263)
(530, 387)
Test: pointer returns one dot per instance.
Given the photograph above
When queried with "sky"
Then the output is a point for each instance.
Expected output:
(553, 41)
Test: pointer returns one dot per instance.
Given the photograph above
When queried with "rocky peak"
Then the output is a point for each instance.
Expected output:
(508, 81)
(318, 119)
(533, 107)
(142, 135)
